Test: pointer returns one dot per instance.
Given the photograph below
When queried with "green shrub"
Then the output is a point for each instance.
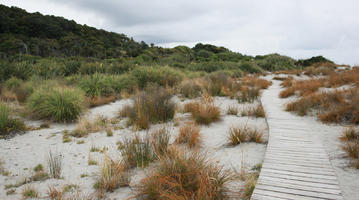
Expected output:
(92, 68)
(96, 85)
(250, 67)
(59, 104)
(13, 83)
(164, 76)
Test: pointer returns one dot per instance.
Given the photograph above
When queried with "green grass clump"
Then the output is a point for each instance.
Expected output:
(7, 123)
(58, 104)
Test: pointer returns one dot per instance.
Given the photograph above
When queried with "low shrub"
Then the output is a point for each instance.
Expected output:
(152, 105)
(203, 112)
(59, 104)
(189, 134)
(184, 175)
(13, 83)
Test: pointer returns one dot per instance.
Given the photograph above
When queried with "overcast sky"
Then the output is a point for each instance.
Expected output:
(297, 28)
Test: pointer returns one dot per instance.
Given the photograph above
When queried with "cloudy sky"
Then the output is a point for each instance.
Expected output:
(298, 28)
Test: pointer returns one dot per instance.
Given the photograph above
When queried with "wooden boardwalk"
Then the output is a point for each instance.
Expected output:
(296, 165)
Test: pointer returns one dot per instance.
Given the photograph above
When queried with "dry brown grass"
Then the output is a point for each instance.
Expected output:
(204, 112)
(30, 191)
(85, 126)
(338, 106)
(304, 87)
(257, 111)
(55, 194)
(189, 134)
(150, 106)
(113, 174)
(232, 110)
(288, 82)
(100, 100)
(240, 134)
(254, 81)
(185, 175)
(190, 88)
(350, 144)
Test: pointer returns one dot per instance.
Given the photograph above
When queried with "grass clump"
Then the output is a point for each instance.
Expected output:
(248, 94)
(190, 89)
(160, 140)
(30, 192)
(54, 193)
(150, 106)
(85, 126)
(204, 112)
(257, 111)
(113, 175)
(238, 135)
(339, 106)
(61, 104)
(350, 144)
(8, 124)
(184, 175)
(189, 134)
(232, 110)
(137, 151)
(54, 163)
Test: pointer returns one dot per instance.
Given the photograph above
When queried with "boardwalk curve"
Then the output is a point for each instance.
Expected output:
(296, 165)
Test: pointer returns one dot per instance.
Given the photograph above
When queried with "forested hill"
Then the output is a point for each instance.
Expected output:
(43, 35)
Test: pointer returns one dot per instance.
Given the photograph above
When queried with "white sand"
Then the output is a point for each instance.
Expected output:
(23, 152)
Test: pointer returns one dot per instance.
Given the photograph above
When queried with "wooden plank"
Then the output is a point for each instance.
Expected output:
(295, 166)
(307, 182)
(299, 192)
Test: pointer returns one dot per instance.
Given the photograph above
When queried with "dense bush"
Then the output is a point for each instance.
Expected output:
(164, 76)
(59, 104)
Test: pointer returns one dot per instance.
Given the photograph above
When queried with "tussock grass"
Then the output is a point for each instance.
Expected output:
(190, 89)
(350, 144)
(160, 140)
(232, 110)
(338, 106)
(54, 162)
(100, 100)
(240, 134)
(30, 191)
(55, 194)
(257, 111)
(248, 94)
(137, 151)
(150, 106)
(60, 104)
(304, 87)
(9, 124)
(250, 182)
(253, 81)
(113, 175)
(189, 134)
(185, 175)
(204, 112)
(85, 126)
